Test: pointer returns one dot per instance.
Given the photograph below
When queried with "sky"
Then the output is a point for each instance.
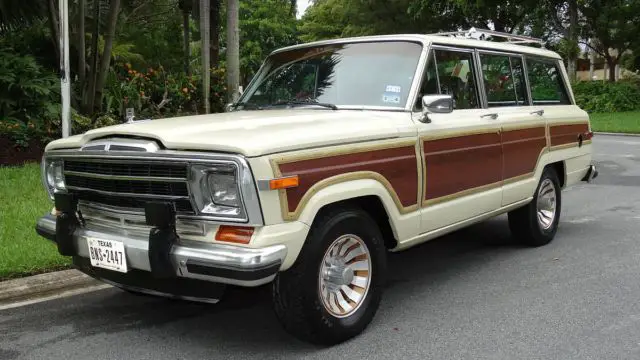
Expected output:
(302, 7)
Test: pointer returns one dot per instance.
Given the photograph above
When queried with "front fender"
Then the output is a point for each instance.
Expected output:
(404, 221)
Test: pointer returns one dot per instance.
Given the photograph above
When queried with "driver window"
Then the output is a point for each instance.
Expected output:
(451, 73)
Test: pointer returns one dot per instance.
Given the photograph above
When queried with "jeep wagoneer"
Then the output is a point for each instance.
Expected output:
(338, 152)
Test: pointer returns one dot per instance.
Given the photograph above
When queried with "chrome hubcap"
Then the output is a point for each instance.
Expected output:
(345, 275)
(546, 204)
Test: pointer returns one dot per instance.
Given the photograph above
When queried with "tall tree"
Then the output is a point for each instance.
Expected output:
(610, 28)
(503, 15)
(105, 61)
(233, 49)
(214, 18)
(82, 52)
(334, 18)
(54, 25)
(89, 95)
(265, 25)
(186, 7)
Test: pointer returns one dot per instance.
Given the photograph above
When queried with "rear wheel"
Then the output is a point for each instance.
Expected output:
(536, 223)
(333, 290)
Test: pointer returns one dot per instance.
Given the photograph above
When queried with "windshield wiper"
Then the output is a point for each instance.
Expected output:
(297, 102)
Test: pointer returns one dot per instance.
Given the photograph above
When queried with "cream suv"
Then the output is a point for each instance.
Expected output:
(338, 152)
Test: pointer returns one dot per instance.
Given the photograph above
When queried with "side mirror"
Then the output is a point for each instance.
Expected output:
(437, 104)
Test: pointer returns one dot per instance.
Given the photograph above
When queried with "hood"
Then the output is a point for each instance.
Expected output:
(255, 133)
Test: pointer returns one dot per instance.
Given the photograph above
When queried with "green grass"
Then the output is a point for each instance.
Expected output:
(624, 122)
(22, 201)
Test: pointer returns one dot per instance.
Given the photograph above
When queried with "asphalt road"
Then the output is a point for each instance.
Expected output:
(470, 295)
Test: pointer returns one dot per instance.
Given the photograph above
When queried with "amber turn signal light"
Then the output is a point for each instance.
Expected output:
(283, 183)
(234, 234)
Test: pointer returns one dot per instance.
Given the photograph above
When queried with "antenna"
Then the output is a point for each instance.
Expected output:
(473, 33)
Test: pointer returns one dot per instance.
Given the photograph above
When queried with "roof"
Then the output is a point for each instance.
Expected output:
(433, 38)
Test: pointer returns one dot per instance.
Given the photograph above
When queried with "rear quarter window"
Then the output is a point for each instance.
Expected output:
(547, 86)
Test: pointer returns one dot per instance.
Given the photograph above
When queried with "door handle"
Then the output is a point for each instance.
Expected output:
(538, 112)
(492, 116)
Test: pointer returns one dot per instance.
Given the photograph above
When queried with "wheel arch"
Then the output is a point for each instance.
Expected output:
(561, 170)
(367, 194)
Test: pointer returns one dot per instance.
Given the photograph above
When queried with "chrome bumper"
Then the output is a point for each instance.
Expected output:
(219, 263)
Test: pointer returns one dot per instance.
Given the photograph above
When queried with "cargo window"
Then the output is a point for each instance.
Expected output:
(547, 87)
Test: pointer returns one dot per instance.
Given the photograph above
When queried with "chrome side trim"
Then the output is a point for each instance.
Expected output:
(123, 177)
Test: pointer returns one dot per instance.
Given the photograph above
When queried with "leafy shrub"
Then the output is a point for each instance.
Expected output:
(154, 93)
(29, 97)
(606, 97)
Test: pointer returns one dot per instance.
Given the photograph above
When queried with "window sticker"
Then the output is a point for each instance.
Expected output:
(393, 89)
(391, 98)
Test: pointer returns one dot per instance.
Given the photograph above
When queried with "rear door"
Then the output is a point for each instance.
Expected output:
(523, 131)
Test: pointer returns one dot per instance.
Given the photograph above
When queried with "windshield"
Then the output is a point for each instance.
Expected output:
(376, 74)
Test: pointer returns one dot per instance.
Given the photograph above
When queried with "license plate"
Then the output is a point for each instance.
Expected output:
(107, 254)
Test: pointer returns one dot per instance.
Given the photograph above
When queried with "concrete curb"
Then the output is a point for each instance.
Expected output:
(615, 134)
(43, 285)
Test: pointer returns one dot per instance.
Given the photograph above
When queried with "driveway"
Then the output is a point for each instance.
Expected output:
(471, 295)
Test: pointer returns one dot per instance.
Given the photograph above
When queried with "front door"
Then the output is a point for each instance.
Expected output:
(462, 150)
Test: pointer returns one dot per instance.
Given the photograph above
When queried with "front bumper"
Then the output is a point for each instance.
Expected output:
(218, 263)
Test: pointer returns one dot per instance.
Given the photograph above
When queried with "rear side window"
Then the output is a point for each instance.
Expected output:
(547, 87)
(503, 80)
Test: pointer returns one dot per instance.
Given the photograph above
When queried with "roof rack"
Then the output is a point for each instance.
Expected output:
(473, 33)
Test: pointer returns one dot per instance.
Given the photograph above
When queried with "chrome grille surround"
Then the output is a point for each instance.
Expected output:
(95, 153)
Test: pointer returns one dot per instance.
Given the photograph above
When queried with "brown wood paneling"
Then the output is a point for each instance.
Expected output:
(566, 134)
(522, 149)
(461, 163)
(398, 165)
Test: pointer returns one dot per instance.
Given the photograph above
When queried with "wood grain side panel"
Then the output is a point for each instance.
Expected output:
(566, 134)
(397, 165)
(522, 149)
(459, 164)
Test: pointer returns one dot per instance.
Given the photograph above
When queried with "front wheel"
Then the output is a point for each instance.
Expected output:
(333, 290)
(536, 223)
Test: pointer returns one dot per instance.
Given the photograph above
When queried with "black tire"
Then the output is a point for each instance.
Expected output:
(296, 295)
(523, 222)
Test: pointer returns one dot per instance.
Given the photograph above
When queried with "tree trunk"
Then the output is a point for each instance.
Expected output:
(90, 91)
(186, 39)
(82, 61)
(205, 28)
(293, 7)
(573, 39)
(214, 18)
(108, 44)
(611, 62)
(54, 25)
(233, 50)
